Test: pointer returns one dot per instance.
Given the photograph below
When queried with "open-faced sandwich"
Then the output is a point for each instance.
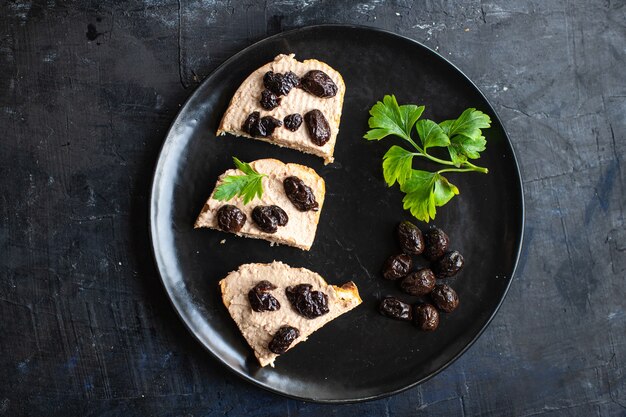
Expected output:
(289, 103)
(276, 306)
(267, 199)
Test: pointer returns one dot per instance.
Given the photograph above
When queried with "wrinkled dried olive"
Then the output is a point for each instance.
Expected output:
(445, 298)
(396, 309)
(261, 299)
(300, 194)
(310, 304)
(397, 266)
(318, 127)
(420, 282)
(319, 84)
(293, 121)
(410, 238)
(251, 121)
(268, 218)
(436, 244)
(426, 317)
(448, 265)
(269, 100)
(282, 339)
(257, 126)
(230, 218)
(280, 84)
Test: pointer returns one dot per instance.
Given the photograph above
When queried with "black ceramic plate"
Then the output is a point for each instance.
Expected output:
(360, 355)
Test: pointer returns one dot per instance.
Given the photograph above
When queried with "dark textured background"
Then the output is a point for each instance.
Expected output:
(87, 92)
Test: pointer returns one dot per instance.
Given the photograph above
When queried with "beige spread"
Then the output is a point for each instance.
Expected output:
(247, 100)
(258, 328)
(301, 227)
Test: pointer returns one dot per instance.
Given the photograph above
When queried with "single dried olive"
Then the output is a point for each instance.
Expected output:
(293, 121)
(257, 126)
(397, 266)
(269, 100)
(426, 317)
(310, 304)
(436, 244)
(448, 265)
(282, 339)
(319, 84)
(318, 127)
(261, 299)
(420, 282)
(300, 194)
(230, 218)
(251, 121)
(280, 84)
(445, 298)
(396, 309)
(268, 218)
(410, 238)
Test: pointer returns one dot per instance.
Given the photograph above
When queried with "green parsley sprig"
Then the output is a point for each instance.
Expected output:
(247, 186)
(426, 190)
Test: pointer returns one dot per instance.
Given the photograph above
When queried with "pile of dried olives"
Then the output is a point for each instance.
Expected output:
(433, 245)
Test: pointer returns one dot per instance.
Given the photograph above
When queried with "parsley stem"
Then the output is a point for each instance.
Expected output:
(455, 170)
(476, 168)
(468, 164)
(432, 158)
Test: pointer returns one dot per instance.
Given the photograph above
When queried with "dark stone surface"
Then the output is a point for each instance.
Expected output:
(87, 92)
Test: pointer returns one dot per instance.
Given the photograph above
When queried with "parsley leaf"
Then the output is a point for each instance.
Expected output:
(247, 186)
(397, 164)
(425, 191)
(387, 118)
(431, 134)
(465, 135)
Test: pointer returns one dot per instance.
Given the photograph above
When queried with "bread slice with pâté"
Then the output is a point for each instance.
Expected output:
(296, 189)
(268, 300)
(265, 105)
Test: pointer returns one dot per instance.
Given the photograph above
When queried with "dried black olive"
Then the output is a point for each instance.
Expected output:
(230, 218)
(310, 304)
(261, 299)
(318, 127)
(251, 121)
(280, 84)
(410, 238)
(293, 121)
(418, 283)
(445, 298)
(448, 265)
(260, 127)
(436, 244)
(268, 218)
(396, 309)
(319, 84)
(397, 266)
(300, 194)
(269, 100)
(426, 317)
(282, 339)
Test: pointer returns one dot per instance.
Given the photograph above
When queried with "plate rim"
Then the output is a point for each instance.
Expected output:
(158, 169)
